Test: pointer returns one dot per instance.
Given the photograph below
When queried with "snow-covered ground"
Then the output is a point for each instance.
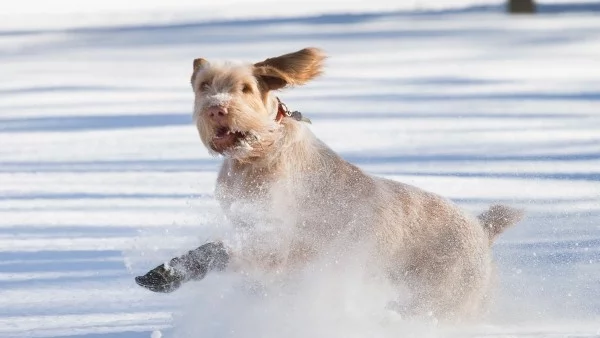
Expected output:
(102, 175)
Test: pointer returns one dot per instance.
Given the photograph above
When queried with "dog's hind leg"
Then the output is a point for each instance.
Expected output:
(448, 287)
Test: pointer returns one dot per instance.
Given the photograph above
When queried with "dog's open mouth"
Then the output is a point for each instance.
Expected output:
(226, 138)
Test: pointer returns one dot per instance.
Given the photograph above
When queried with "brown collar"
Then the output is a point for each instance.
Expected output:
(283, 111)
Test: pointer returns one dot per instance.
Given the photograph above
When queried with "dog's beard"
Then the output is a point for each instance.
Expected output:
(244, 135)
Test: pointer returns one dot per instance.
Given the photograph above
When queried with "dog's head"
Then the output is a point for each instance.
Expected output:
(234, 109)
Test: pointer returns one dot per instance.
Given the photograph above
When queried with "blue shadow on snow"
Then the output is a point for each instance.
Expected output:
(93, 122)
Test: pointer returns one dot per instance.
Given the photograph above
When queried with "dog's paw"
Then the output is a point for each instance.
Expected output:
(159, 280)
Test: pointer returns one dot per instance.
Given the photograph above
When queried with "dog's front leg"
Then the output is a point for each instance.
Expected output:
(194, 265)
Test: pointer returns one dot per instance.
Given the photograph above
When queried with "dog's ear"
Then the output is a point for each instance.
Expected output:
(290, 69)
(198, 63)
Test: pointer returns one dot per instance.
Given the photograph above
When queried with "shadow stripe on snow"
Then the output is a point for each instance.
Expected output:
(93, 196)
(40, 326)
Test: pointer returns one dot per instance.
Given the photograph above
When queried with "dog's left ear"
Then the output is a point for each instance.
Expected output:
(290, 69)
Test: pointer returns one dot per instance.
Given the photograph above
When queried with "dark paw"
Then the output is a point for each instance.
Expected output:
(159, 280)
(194, 265)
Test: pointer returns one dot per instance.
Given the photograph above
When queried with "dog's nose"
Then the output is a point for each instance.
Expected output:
(216, 113)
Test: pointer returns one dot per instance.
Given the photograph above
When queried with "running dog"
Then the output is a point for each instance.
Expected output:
(298, 200)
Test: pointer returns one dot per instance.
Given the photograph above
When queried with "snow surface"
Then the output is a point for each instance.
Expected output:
(102, 175)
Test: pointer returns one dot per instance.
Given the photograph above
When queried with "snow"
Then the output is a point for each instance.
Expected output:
(102, 174)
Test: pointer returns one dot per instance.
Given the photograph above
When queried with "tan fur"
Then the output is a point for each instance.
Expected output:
(290, 69)
(497, 218)
(298, 200)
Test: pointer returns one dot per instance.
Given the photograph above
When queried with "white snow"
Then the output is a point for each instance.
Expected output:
(73, 13)
(102, 174)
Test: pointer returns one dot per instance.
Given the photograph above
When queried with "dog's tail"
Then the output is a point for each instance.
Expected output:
(499, 217)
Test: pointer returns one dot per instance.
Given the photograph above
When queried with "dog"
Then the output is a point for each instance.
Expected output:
(298, 200)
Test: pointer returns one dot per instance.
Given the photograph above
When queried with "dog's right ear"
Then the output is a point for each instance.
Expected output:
(295, 68)
(198, 64)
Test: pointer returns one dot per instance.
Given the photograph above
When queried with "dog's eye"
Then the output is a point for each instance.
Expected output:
(246, 88)
(203, 86)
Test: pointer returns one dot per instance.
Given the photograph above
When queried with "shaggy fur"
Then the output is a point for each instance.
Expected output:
(298, 199)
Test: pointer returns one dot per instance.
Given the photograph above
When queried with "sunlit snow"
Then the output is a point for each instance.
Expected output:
(103, 176)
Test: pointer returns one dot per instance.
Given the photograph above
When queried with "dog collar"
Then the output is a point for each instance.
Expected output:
(283, 111)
